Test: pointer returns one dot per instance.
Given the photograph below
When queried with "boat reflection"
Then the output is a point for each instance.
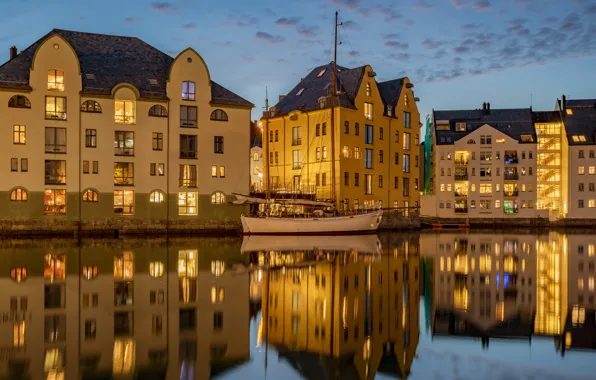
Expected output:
(351, 314)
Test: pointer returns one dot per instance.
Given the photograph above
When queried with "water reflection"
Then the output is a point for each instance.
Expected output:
(405, 305)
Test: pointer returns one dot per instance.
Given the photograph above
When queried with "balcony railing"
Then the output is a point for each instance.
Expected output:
(461, 177)
(461, 162)
(461, 210)
(460, 194)
(296, 166)
(183, 182)
(297, 141)
(54, 115)
(513, 193)
(511, 176)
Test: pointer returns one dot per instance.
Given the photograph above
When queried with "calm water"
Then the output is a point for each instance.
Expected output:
(423, 306)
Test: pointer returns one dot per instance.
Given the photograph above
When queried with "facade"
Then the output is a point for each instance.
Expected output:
(376, 140)
(528, 164)
(108, 128)
(124, 309)
(256, 163)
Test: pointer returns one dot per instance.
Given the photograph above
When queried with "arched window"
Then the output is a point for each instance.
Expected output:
(156, 196)
(158, 111)
(218, 198)
(219, 115)
(471, 141)
(90, 195)
(90, 106)
(56, 80)
(18, 274)
(19, 195)
(188, 90)
(19, 101)
(90, 271)
(368, 89)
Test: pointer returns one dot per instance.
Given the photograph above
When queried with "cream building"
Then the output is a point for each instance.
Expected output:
(108, 128)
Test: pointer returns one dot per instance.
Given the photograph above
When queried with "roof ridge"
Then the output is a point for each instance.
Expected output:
(57, 30)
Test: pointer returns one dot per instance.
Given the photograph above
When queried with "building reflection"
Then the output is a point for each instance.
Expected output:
(123, 308)
(349, 310)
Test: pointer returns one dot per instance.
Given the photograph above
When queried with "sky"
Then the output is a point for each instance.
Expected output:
(458, 53)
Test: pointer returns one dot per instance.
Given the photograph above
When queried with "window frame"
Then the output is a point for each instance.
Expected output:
(20, 101)
(123, 118)
(189, 93)
(157, 141)
(120, 139)
(218, 115)
(20, 194)
(90, 138)
(187, 153)
(90, 196)
(56, 85)
(157, 110)
(125, 209)
(54, 114)
(54, 209)
(91, 106)
(188, 208)
(127, 178)
(19, 134)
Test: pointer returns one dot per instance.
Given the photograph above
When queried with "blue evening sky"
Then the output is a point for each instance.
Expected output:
(458, 53)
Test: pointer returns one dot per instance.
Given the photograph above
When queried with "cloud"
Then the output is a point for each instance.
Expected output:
(162, 7)
(459, 4)
(351, 25)
(390, 36)
(422, 5)
(396, 45)
(241, 20)
(354, 54)
(348, 4)
(307, 30)
(132, 20)
(431, 44)
(462, 49)
(482, 5)
(269, 38)
(189, 26)
(571, 23)
(287, 21)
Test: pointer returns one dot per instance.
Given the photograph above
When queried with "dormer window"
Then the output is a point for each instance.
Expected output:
(322, 102)
(124, 112)
(300, 92)
(153, 83)
(569, 111)
(90, 76)
(188, 90)
(460, 127)
(578, 138)
(526, 138)
(321, 73)
(368, 91)
(56, 80)
(390, 111)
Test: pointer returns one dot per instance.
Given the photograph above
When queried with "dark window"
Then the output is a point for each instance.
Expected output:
(219, 115)
(396, 159)
(318, 130)
(24, 164)
(188, 319)
(123, 323)
(356, 179)
(381, 133)
(91, 138)
(218, 144)
(123, 293)
(381, 156)
(188, 117)
(54, 328)
(124, 143)
(217, 320)
(14, 164)
(347, 127)
(55, 172)
(368, 158)
(157, 141)
(19, 101)
(324, 129)
(368, 134)
(90, 329)
(396, 182)
(406, 187)
(346, 178)
(188, 146)
(380, 182)
(54, 296)
(55, 140)
(91, 106)
(356, 129)
(158, 111)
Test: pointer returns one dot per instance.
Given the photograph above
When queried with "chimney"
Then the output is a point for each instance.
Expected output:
(13, 52)
(281, 97)
(488, 108)
(564, 103)
(484, 107)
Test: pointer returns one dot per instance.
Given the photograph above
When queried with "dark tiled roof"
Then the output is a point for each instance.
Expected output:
(391, 90)
(582, 122)
(315, 87)
(513, 122)
(112, 60)
(571, 103)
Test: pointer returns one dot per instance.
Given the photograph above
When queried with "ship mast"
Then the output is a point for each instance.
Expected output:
(332, 101)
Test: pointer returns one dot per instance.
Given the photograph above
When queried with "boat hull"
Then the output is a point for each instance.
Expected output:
(353, 224)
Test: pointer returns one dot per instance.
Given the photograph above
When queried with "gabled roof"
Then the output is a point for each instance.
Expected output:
(513, 122)
(572, 103)
(581, 123)
(391, 90)
(111, 60)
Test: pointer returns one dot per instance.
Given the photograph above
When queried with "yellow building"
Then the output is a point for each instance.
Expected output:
(376, 139)
(109, 129)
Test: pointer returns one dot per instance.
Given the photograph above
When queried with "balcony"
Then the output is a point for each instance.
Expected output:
(297, 141)
(187, 182)
(461, 177)
(461, 210)
(513, 193)
(460, 193)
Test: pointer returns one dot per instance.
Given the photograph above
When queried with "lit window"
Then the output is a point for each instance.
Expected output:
(54, 267)
(124, 202)
(581, 170)
(18, 274)
(187, 203)
(591, 170)
(214, 171)
(217, 294)
(187, 263)
(591, 203)
(460, 127)
(222, 172)
(124, 111)
(255, 157)
(218, 198)
(54, 202)
(218, 267)
(18, 195)
(55, 107)
(591, 283)
(188, 90)
(90, 195)
(90, 271)
(569, 111)
(54, 363)
(368, 111)
(580, 284)
(124, 266)
(18, 134)
(124, 356)
(90, 106)
(18, 334)
(56, 80)
(497, 203)
(156, 196)
(368, 91)
(156, 269)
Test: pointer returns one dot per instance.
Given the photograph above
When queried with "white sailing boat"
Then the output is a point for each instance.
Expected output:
(366, 222)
